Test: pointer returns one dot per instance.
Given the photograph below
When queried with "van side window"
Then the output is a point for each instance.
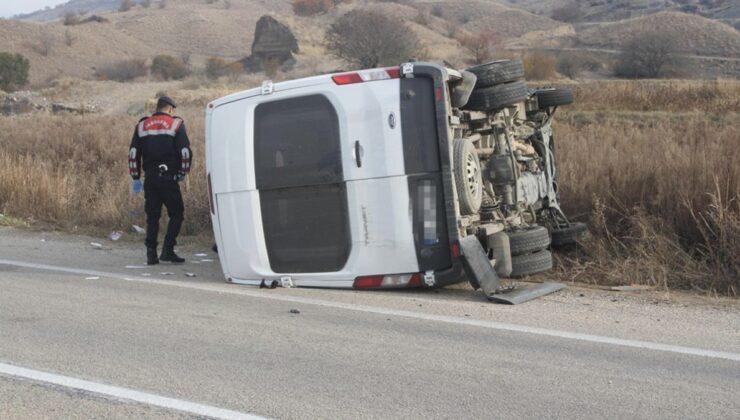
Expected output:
(296, 142)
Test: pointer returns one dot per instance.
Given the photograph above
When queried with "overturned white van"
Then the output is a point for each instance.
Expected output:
(369, 179)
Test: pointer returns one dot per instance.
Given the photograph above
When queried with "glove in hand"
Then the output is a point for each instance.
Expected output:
(136, 186)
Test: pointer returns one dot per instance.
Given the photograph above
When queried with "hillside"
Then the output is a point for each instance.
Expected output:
(609, 10)
(197, 29)
(693, 34)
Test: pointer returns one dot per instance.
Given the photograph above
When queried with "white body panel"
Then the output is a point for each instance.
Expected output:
(379, 207)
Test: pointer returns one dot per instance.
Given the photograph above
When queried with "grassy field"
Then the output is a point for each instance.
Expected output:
(652, 166)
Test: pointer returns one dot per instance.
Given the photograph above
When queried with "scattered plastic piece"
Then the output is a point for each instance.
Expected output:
(135, 266)
(115, 235)
(139, 229)
(189, 274)
(167, 273)
(201, 255)
(96, 245)
(295, 311)
(632, 288)
(206, 260)
(43, 240)
(92, 278)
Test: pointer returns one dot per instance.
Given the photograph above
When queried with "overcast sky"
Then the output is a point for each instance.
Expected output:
(9, 8)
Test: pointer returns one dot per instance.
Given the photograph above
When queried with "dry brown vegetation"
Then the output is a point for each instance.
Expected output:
(651, 165)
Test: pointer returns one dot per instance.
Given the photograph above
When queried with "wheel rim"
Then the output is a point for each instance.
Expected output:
(472, 168)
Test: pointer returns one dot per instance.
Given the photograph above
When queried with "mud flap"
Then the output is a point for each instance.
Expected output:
(521, 294)
(482, 275)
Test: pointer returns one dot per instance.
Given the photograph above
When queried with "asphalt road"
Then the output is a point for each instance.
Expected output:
(296, 354)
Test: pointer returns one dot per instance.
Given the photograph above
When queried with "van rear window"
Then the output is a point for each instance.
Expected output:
(419, 126)
(296, 142)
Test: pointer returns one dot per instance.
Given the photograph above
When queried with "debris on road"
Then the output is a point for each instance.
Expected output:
(201, 255)
(631, 288)
(96, 245)
(138, 229)
(190, 275)
(115, 235)
(167, 273)
(135, 266)
(206, 260)
(92, 278)
(295, 311)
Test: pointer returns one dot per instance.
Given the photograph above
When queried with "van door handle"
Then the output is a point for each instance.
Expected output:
(358, 154)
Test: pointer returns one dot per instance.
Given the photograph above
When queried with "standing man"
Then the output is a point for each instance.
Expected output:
(162, 143)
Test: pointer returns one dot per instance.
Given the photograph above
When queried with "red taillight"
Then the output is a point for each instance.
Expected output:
(367, 76)
(211, 203)
(455, 249)
(368, 282)
(440, 94)
(347, 78)
(390, 281)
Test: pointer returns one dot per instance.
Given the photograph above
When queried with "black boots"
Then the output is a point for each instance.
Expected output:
(151, 256)
(168, 254)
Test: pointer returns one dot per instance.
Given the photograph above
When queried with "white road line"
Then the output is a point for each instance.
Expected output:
(124, 393)
(256, 293)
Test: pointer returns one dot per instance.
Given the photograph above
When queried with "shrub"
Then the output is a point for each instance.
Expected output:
(167, 67)
(216, 67)
(71, 18)
(368, 39)
(569, 12)
(45, 43)
(539, 65)
(123, 71)
(145, 3)
(69, 39)
(13, 71)
(572, 63)
(312, 7)
(126, 5)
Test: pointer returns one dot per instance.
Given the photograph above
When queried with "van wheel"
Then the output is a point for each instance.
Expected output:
(529, 264)
(497, 97)
(528, 239)
(497, 72)
(468, 179)
(553, 97)
(568, 235)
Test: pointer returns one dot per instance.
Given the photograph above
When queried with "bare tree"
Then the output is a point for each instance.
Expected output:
(369, 39)
(649, 55)
(481, 46)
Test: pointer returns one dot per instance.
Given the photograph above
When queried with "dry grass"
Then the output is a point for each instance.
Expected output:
(68, 171)
(653, 167)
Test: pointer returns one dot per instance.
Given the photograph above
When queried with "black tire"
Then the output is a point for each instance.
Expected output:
(554, 97)
(497, 97)
(569, 235)
(528, 239)
(529, 264)
(497, 72)
(468, 178)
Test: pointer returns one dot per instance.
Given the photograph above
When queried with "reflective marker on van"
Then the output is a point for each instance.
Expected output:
(388, 282)
(367, 76)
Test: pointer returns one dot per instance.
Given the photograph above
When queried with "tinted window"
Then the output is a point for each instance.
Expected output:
(306, 228)
(296, 142)
(419, 126)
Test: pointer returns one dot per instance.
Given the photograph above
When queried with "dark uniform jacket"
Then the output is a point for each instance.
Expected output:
(160, 139)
